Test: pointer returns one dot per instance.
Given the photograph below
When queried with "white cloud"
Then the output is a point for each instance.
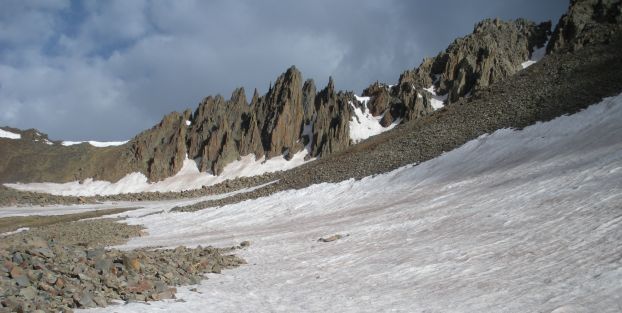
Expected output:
(29, 22)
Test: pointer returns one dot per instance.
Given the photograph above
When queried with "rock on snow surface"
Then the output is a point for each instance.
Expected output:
(515, 221)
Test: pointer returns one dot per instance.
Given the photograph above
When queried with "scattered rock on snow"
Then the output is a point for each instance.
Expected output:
(331, 238)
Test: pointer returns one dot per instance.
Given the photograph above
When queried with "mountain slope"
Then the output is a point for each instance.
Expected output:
(515, 221)
(291, 117)
(559, 84)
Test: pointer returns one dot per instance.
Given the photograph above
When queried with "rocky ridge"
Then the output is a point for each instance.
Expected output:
(292, 116)
(587, 22)
(493, 52)
(561, 83)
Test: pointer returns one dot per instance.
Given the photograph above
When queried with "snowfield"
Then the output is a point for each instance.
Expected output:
(99, 144)
(189, 177)
(9, 135)
(514, 221)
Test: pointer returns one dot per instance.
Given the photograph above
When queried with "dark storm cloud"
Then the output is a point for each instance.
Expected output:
(106, 70)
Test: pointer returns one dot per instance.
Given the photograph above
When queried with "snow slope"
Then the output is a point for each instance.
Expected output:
(515, 221)
(188, 178)
(536, 55)
(99, 144)
(437, 101)
(9, 135)
(364, 125)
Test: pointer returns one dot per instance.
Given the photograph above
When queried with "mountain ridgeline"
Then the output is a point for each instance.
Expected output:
(293, 116)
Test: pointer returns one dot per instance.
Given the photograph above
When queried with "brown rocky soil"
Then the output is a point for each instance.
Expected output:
(12, 223)
(64, 265)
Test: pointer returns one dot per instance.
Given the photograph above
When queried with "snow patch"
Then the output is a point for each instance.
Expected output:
(9, 135)
(363, 100)
(364, 125)
(188, 178)
(99, 144)
(19, 230)
(536, 55)
(437, 101)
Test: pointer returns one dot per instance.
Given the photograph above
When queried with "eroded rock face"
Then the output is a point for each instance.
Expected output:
(331, 131)
(379, 98)
(494, 51)
(216, 130)
(281, 113)
(412, 103)
(161, 150)
(221, 131)
(308, 100)
(586, 22)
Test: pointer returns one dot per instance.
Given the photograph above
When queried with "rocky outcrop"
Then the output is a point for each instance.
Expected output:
(221, 131)
(379, 98)
(161, 150)
(587, 22)
(281, 113)
(215, 131)
(410, 102)
(308, 100)
(494, 51)
(331, 131)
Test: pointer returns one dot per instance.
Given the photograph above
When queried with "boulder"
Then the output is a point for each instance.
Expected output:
(586, 22)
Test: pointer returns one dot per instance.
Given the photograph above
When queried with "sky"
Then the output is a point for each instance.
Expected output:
(106, 70)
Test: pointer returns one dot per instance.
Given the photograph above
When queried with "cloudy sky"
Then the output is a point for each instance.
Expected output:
(105, 70)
